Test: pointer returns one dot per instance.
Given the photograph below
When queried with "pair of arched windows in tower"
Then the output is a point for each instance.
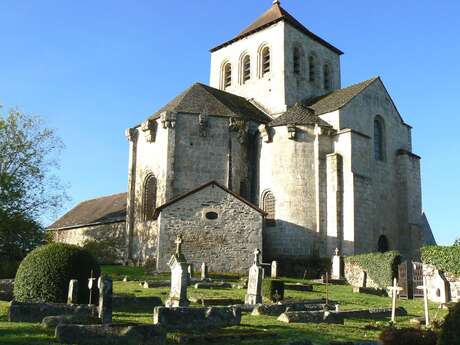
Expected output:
(297, 58)
(245, 68)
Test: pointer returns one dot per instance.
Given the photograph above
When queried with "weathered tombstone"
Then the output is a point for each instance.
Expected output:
(204, 271)
(72, 296)
(179, 278)
(363, 279)
(424, 287)
(395, 290)
(254, 292)
(337, 265)
(91, 280)
(190, 270)
(105, 299)
(274, 270)
(125, 279)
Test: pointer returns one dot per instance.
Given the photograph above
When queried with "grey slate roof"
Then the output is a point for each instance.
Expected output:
(103, 210)
(298, 115)
(274, 15)
(338, 98)
(217, 102)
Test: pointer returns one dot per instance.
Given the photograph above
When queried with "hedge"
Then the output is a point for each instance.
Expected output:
(44, 274)
(446, 259)
(273, 289)
(450, 332)
(380, 267)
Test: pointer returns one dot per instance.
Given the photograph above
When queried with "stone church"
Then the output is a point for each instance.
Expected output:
(273, 154)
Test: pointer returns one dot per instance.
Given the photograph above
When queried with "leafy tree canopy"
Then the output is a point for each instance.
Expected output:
(29, 189)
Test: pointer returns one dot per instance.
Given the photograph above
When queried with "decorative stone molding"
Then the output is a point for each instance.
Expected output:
(240, 126)
(292, 132)
(149, 128)
(203, 121)
(265, 133)
(168, 119)
(131, 134)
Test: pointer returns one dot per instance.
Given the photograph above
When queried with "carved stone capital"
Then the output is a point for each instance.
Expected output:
(240, 126)
(168, 119)
(131, 134)
(149, 128)
(265, 133)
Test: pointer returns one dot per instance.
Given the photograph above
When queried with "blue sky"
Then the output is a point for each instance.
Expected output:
(93, 68)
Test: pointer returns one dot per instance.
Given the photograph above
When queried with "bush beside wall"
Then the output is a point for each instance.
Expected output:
(381, 268)
(446, 259)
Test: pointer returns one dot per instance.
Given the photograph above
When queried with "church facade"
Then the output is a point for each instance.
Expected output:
(274, 152)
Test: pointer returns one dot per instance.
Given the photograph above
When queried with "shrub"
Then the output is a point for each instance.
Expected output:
(446, 259)
(450, 331)
(44, 274)
(296, 267)
(380, 267)
(408, 336)
(273, 289)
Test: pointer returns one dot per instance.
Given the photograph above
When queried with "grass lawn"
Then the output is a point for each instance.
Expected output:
(352, 330)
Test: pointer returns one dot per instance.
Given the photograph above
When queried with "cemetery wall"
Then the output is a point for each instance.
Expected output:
(436, 284)
(226, 244)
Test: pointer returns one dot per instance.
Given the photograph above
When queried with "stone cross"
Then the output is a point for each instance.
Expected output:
(254, 292)
(256, 256)
(204, 271)
(91, 280)
(72, 296)
(274, 270)
(190, 270)
(395, 289)
(178, 244)
(337, 267)
(105, 299)
(424, 287)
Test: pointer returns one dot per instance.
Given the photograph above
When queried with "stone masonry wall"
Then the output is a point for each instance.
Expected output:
(225, 244)
(78, 236)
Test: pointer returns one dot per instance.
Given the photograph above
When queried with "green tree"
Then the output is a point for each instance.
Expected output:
(457, 242)
(29, 189)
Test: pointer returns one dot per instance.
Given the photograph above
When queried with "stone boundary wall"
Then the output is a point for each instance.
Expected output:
(433, 281)
(357, 277)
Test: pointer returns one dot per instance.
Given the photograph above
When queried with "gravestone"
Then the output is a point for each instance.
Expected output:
(72, 296)
(190, 270)
(204, 271)
(91, 280)
(425, 289)
(395, 290)
(105, 299)
(179, 278)
(254, 292)
(274, 270)
(438, 288)
(337, 265)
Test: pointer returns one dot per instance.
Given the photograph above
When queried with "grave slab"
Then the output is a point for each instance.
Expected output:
(148, 301)
(210, 285)
(111, 334)
(51, 322)
(35, 312)
(278, 309)
(206, 302)
(298, 287)
(310, 317)
(193, 319)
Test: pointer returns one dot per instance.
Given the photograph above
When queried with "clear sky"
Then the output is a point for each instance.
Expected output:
(93, 68)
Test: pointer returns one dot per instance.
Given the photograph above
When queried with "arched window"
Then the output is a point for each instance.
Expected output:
(149, 197)
(327, 77)
(265, 61)
(383, 244)
(296, 61)
(312, 68)
(246, 67)
(226, 75)
(268, 205)
(379, 139)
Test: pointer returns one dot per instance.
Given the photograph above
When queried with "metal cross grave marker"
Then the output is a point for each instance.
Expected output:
(424, 287)
(395, 289)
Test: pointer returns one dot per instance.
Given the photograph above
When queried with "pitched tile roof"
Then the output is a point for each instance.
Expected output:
(103, 210)
(298, 115)
(193, 191)
(274, 15)
(217, 102)
(338, 98)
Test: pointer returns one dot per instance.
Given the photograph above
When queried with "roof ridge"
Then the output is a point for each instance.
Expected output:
(102, 197)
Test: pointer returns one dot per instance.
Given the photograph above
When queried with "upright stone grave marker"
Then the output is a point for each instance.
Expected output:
(204, 271)
(274, 270)
(91, 280)
(179, 278)
(105, 299)
(395, 290)
(190, 270)
(254, 292)
(337, 266)
(72, 296)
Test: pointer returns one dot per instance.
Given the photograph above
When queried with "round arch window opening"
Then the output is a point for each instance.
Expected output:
(211, 215)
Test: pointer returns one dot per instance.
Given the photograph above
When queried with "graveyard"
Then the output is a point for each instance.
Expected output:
(203, 307)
